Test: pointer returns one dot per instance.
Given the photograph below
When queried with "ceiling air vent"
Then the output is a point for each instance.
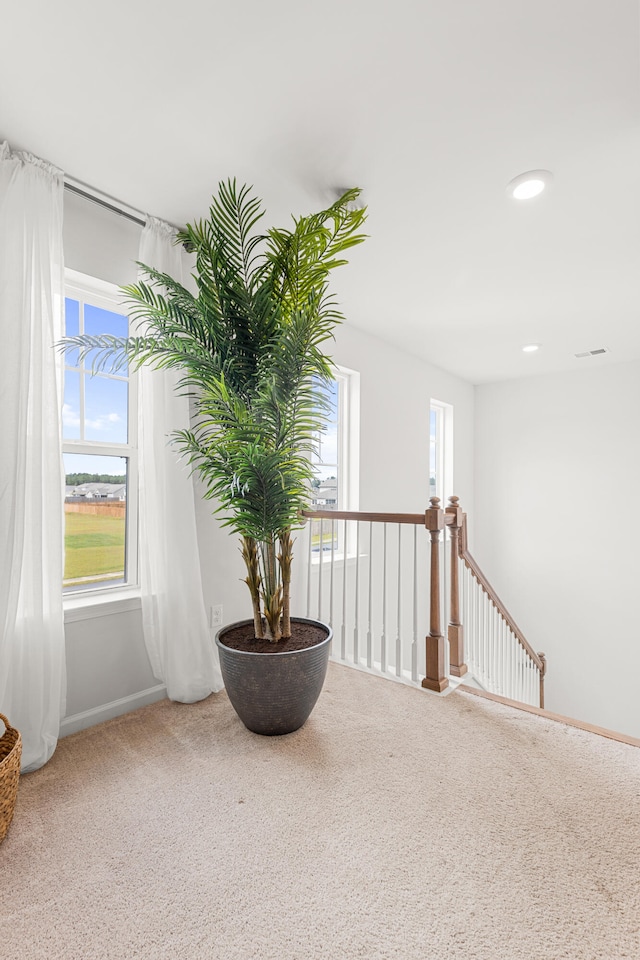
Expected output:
(591, 353)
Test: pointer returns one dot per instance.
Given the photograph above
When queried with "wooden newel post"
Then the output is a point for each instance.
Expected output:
(435, 677)
(455, 630)
(543, 674)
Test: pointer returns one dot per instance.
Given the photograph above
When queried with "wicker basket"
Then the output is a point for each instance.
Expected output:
(10, 755)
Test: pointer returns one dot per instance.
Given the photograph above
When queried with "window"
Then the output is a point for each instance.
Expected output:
(335, 482)
(99, 448)
(335, 485)
(325, 483)
(440, 450)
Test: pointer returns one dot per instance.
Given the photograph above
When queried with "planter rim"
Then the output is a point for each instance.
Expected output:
(285, 653)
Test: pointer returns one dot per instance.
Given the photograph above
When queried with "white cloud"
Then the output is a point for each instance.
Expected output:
(70, 418)
(102, 423)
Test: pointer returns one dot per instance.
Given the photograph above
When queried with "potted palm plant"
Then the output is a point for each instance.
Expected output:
(249, 348)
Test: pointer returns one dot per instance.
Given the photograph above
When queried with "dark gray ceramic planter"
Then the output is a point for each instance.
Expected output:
(274, 693)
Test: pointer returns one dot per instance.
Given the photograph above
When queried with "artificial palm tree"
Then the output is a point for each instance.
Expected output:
(249, 349)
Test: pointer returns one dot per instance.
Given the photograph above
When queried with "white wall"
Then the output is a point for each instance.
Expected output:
(98, 242)
(108, 670)
(557, 466)
(395, 393)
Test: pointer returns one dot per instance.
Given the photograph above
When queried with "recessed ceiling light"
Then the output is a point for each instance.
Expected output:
(531, 347)
(529, 185)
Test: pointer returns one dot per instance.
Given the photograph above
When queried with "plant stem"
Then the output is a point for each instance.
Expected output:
(272, 590)
(285, 557)
(250, 556)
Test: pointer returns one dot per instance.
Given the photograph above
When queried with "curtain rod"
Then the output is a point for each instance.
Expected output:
(109, 203)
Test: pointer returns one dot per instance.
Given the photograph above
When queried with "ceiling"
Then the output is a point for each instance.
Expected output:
(430, 107)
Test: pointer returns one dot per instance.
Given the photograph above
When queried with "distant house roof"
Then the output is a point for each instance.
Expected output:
(97, 491)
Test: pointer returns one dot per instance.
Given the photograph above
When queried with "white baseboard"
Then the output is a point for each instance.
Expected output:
(106, 711)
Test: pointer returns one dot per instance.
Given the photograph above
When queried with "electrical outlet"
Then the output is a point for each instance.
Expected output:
(215, 615)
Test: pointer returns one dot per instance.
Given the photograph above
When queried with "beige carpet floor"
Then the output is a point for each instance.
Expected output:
(395, 824)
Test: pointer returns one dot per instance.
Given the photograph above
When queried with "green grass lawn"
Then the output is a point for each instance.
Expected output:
(94, 545)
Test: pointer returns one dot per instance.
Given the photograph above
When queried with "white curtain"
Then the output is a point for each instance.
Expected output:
(32, 655)
(179, 644)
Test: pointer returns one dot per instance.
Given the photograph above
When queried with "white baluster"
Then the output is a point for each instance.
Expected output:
(503, 657)
(513, 692)
(399, 613)
(320, 569)
(473, 601)
(476, 623)
(473, 630)
(383, 636)
(498, 667)
(478, 618)
(356, 637)
(333, 557)
(487, 641)
(495, 646)
(485, 676)
(483, 635)
(343, 631)
(370, 601)
(520, 670)
(463, 609)
(309, 566)
(479, 596)
(414, 645)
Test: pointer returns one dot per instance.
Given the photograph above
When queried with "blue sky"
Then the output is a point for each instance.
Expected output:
(105, 413)
(105, 398)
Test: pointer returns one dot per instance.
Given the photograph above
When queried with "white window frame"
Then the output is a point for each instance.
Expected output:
(107, 296)
(348, 448)
(444, 450)
(348, 436)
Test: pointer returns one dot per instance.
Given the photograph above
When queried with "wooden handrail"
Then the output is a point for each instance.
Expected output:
(418, 519)
(415, 518)
(472, 565)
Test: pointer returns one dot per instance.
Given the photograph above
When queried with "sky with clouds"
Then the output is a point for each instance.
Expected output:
(104, 418)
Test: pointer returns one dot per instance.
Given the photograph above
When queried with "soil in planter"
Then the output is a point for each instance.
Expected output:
(304, 635)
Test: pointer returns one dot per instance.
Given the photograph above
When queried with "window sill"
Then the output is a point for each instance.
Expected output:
(324, 559)
(89, 607)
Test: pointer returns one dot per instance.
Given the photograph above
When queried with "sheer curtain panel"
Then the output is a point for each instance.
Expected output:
(176, 630)
(32, 656)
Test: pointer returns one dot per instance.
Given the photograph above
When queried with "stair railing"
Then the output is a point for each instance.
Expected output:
(497, 653)
(383, 587)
